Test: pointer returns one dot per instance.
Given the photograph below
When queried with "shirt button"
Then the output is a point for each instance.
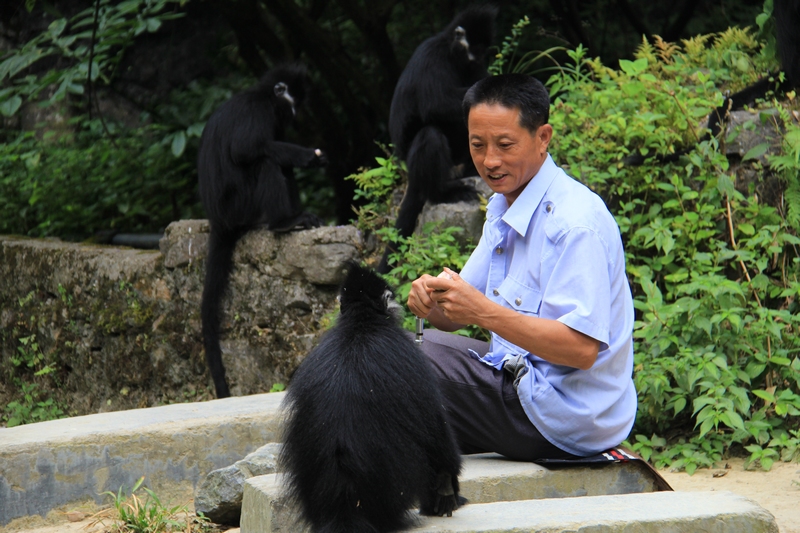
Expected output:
(496, 292)
(518, 301)
(499, 250)
(549, 208)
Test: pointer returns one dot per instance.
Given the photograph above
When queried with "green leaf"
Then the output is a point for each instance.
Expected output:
(10, 106)
(756, 151)
(747, 229)
(179, 144)
(632, 88)
(725, 185)
(733, 420)
(679, 405)
(632, 68)
(153, 24)
(765, 395)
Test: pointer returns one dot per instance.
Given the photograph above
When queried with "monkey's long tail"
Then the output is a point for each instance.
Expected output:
(219, 264)
(430, 165)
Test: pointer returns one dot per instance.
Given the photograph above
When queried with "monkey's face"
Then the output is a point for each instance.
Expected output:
(472, 35)
(363, 290)
(393, 308)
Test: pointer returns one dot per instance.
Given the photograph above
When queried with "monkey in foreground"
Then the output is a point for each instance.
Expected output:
(246, 181)
(366, 437)
(426, 124)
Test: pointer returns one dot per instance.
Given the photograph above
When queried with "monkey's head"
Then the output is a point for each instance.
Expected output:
(286, 87)
(364, 290)
(471, 33)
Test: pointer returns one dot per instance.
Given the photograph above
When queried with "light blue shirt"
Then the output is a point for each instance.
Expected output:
(557, 253)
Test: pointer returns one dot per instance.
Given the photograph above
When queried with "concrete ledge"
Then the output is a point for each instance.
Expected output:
(45, 465)
(491, 478)
(657, 512)
(485, 478)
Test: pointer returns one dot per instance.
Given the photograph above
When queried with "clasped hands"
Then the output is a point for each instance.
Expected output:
(447, 295)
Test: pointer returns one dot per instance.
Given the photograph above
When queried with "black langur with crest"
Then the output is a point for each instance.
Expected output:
(246, 181)
(426, 123)
(365, 437)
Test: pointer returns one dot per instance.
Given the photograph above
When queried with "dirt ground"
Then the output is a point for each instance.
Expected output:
(778, 491)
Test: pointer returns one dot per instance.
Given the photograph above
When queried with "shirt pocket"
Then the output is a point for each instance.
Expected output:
(520, 297)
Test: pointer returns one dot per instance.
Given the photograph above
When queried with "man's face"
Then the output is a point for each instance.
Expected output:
(505, 154)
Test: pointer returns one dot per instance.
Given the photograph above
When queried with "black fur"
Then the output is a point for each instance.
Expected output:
(245, 175)
(366, 437)
(786, 14)
(426, 124)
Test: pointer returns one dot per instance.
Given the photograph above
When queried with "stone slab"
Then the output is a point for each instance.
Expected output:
(48, 464)
(492, 478)
(485, 478)
(655, 512)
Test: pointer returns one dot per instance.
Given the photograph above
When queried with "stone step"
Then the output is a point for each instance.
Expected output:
(49, 464)
(485, 478)
(655, 512)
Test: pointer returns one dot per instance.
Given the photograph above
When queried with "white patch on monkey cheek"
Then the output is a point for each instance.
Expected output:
(282, 91)
(462, 40)
(289, 99)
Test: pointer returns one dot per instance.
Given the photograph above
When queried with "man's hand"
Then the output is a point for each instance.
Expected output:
(458, 301)
(419, 297)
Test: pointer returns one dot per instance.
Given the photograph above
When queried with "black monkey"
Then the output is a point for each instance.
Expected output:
(365, 436)
(786, 15)
(245, 175)
(426, 124)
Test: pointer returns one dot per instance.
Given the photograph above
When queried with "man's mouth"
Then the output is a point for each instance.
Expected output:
(496, 177)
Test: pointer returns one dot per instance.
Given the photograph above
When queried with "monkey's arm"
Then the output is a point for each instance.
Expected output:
(291, 155)
(282, 153)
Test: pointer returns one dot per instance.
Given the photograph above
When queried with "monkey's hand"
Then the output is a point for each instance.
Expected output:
(319, 160)
(445, 500)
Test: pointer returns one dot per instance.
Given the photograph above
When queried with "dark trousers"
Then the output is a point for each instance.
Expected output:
(481, 402)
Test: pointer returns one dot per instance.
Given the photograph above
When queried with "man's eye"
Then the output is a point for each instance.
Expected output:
(476, 146)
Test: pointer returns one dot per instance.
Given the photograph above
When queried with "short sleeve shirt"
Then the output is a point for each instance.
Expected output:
(557, 253)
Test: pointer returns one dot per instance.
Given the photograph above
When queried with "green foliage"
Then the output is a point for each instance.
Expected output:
(29, 369)
(75, 187)
(374, 188)
(33, 407)
(90, 175)
(714, 269)
(71, 41)
(426, 252)
(509, 47)
(132, 514)
(506, 60)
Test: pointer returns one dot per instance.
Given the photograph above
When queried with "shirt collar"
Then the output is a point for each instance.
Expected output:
(519, 215)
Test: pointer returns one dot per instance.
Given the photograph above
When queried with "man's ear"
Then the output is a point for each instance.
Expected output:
(545, 135)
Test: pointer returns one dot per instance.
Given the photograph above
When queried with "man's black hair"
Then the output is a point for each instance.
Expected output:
(512, 91)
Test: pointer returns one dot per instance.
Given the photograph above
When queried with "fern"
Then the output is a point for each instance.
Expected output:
(792, 198)
(646, 51)
(695, 48)
(666, 50)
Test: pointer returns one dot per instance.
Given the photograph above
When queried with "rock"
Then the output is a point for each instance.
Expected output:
(219, 495)
(184, 242)
(466, 215)
(748, 129)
